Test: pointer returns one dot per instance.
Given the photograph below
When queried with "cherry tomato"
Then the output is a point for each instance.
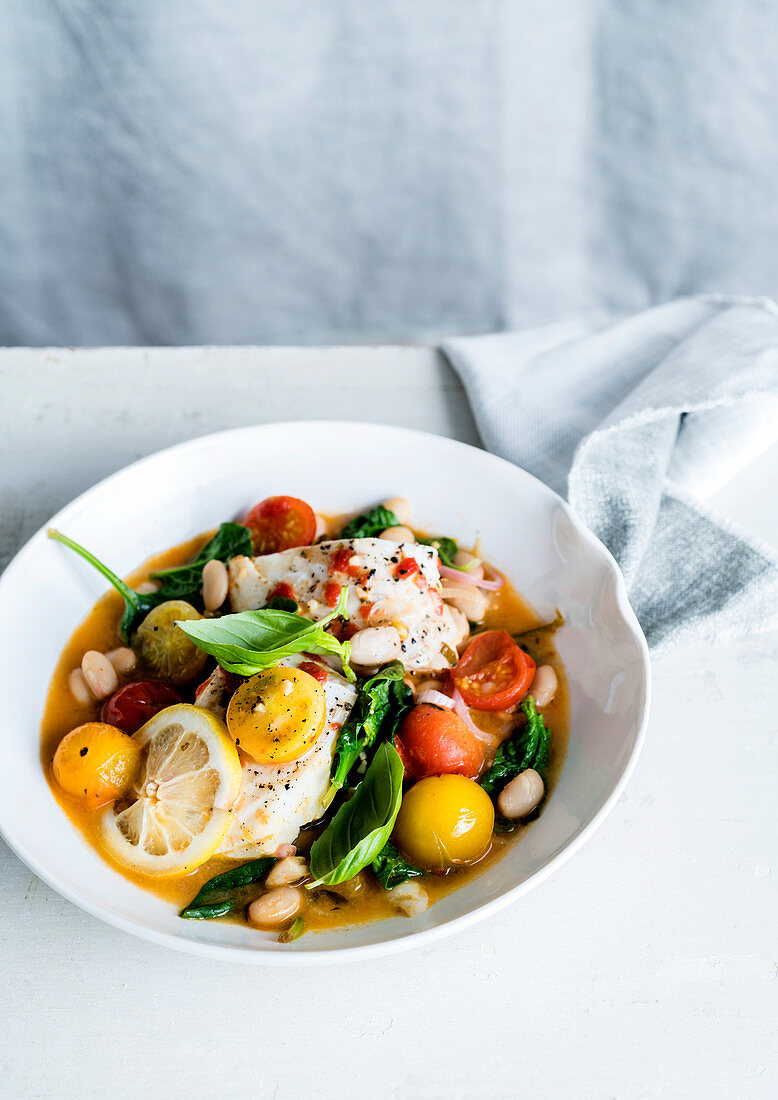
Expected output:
(493, 672)
(130, 707)
(96, 763)
(276, 715)
(279, 523)
(435, 741)
(165, 649)
(444, 821)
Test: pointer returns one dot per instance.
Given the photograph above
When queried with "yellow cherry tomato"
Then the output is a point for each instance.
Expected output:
(166, 649)
(97, 763)
(277, 715)
(444, 821)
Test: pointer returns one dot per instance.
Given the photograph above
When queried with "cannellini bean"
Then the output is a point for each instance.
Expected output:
(78, 687)
(544, 685)
(287, 871)
(123, 659)
(522, 795)
(321, 527)
(398, 534)
(277, 908)
(409, 897)
(401, 508)
(376, 645)
(99, 673)
(215, 584)
(145, 588)
(462, 560)
(472, 602)
(285, 850)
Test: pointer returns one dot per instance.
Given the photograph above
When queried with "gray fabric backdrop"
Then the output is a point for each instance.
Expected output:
(194, 171)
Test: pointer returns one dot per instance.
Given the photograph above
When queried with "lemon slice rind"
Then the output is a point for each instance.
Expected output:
(182, 805)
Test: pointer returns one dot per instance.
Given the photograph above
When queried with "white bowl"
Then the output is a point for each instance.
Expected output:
(527, 530)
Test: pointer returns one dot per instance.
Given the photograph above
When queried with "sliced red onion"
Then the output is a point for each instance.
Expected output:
(460, 575)
(437, 698)
(462, 710)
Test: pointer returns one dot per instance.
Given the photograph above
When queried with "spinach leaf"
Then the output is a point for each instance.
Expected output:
(525, 748)
(390, 868)
(382, 703)
(230, 541)
(201, 907)
(255, 640)
(136, 605)
(369, 524)
(445, 547)
(282, 603)
(361, 827)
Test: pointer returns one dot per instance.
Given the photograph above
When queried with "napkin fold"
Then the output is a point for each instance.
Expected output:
(638, 421)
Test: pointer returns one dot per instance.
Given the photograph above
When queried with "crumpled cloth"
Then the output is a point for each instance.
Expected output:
(639, 420)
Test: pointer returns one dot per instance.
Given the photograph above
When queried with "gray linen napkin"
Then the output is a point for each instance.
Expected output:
(641, 419)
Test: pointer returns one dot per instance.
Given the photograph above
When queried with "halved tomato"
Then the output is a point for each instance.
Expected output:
(493, 673)
(279, 523)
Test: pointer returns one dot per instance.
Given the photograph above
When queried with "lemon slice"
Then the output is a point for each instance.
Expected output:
(179, 810)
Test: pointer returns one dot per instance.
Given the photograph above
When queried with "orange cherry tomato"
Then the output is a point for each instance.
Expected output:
(279, 523)
(493, 673)
(434, 741)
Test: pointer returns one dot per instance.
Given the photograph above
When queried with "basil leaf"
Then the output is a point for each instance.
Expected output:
(361, 827)
(445, 547)
(525, 748)
(230, 541)
(381, 704)
(391, 869)
(251, 641)
(136, 605)
(201, 907)
(369, 524)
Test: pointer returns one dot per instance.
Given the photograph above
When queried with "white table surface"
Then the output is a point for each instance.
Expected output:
(645, 967)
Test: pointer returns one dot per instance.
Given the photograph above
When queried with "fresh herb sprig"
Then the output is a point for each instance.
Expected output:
(252, 641)
(382, 703)
(362, 826)
(525, 748)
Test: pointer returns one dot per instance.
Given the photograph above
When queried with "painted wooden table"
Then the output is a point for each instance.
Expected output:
(646, 967)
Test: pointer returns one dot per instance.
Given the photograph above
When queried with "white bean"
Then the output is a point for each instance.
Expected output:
(99, 673)
(145, 588)
(409, 897)
(521, 796)
(321, 527)
(398, 534)
(78, 687)
(277, 908)
(544, 685)
(462, 560)
(401, 508)
(123, 659)
(215, 584)
(472, 602)
(287, 871)
(376, 645)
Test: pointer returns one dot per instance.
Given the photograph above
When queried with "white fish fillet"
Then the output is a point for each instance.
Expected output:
(413, 601)
(277, 800)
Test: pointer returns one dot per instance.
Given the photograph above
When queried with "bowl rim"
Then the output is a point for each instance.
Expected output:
(261, 955)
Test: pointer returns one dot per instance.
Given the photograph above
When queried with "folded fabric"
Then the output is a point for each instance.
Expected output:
(640, 420)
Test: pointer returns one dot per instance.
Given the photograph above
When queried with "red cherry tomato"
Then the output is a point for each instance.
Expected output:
(278, 523)
(493, 673)
(131, 706)
(434, 741)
